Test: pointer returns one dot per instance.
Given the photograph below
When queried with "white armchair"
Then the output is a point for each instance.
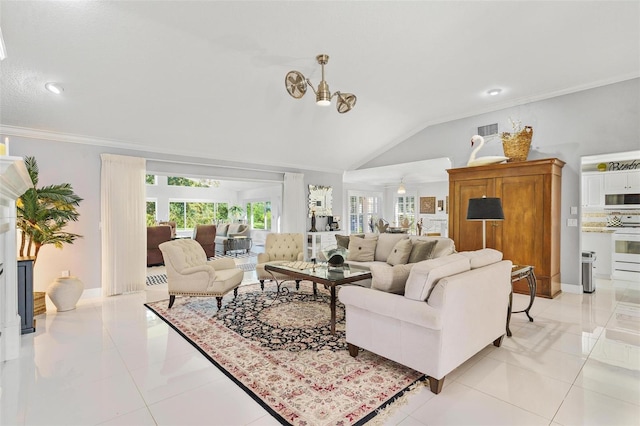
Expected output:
(190, 274)
(279, 248)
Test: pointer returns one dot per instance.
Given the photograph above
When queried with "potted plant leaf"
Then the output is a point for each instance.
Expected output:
(44, 212)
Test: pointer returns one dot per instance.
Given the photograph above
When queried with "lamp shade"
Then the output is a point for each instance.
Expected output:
(485, 209)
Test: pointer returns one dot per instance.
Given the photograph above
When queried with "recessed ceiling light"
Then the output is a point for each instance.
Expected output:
(494, 92)
(54, 88)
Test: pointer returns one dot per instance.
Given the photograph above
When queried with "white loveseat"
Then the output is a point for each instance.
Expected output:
(467, 298)
(225, 231)
(390, 268)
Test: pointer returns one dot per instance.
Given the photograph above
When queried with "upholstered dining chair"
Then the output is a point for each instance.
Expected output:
(189, 273)
(173, 226)
(206, 236)
(156, 235)
(279, 248)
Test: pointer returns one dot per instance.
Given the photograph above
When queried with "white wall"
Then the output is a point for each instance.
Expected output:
(595, 121)
(79, 165)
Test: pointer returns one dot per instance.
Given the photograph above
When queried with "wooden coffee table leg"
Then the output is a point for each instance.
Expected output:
(333, 309)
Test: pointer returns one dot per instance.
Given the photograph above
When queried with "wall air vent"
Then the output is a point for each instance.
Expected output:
(488, 130)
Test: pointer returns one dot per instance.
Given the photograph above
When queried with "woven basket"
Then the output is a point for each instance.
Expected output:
(517, 146)
(39, 303)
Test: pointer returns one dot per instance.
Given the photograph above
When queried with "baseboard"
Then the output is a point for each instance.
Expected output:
(571, 288)
(91, 293)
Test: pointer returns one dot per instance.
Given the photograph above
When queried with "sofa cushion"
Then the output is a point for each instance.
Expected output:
(390, 279)
(221, 231)
(361, 249)
(236, 228)
(421, 250)
(483, 257)
(386, 243)
(343, 240)
(425, 275)
(400, 253)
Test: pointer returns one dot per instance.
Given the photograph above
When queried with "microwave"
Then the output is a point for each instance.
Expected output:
(622, 201)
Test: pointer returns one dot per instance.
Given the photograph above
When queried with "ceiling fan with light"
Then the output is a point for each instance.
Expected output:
(296, 85)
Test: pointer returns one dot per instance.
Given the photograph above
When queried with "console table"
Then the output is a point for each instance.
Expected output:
(519, 272)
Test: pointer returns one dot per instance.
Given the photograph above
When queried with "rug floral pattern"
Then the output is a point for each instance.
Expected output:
(280, 350)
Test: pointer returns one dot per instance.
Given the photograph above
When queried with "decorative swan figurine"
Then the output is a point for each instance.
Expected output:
(482, 161)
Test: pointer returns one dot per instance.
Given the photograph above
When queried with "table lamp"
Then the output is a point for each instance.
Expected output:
(485, 209)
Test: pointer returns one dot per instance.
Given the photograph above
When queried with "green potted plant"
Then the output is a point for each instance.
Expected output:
(43, 213)
(236, 212)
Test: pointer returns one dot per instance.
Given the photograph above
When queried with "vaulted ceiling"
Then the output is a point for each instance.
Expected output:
(206, 78)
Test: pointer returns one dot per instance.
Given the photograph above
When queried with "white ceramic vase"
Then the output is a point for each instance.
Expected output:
(64, 292)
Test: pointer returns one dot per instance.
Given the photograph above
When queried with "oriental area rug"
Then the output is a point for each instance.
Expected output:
(279, 349)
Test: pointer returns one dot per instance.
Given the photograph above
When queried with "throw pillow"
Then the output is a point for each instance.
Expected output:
(425, 275)
(361, 249)
(390, 279)
(386, 243)
(400, 253)
(421, 250)
(221, 230)
(343, 240)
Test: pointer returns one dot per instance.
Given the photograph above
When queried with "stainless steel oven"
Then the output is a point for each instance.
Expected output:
(625, 258)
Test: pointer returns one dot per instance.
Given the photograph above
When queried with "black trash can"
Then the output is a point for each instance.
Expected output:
(588, 257)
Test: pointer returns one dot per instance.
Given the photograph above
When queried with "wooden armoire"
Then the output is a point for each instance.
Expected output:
(530, 232)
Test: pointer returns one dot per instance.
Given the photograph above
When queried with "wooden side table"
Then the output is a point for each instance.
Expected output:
(519, 272)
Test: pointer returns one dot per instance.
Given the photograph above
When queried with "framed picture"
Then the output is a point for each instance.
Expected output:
(440, 205)
(427, 205)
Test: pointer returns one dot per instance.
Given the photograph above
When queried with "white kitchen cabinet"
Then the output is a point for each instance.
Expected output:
(593, 189)
(624, 182)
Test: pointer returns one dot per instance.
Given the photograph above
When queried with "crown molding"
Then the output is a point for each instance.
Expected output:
(24, 132)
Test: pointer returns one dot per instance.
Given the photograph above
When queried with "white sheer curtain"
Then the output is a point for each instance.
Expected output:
(124, 238)
(294, 203)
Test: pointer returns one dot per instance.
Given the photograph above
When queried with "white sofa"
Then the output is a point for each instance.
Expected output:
(390, 269)
(467, 298)
(226, 230)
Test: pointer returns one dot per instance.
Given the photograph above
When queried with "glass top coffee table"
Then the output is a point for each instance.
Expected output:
(330, 277)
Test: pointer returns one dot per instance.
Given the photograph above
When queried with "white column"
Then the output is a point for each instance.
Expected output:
(14, 181)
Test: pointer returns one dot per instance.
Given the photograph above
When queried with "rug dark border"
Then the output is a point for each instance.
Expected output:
(257, 399)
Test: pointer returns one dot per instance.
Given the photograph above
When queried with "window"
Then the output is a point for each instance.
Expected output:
(259, 215)
(150, 180)
(191, 182)
(406, 209)
(151, 213)
(188, 214)
(363, 212)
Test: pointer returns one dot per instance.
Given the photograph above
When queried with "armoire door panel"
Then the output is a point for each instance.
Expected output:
(521, 202)
(468, 234)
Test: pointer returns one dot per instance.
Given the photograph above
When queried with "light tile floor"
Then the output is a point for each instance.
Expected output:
(113, 362)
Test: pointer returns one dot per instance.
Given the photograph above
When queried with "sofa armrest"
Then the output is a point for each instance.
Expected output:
(223, 263)
(392, 306)
(263, 257)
